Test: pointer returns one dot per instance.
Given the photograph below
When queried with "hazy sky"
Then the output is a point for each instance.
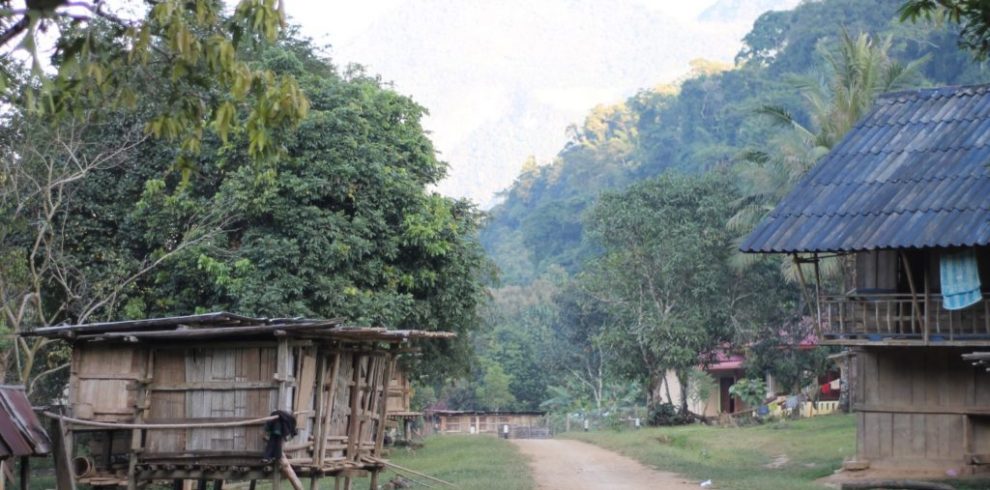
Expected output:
(502, 80)
(341, 20)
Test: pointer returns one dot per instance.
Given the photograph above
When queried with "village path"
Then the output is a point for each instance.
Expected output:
(562, 464)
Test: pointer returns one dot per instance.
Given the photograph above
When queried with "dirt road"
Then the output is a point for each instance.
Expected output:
(561, 464)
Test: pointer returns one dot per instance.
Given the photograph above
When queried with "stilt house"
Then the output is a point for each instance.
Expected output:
(904, 198)
(190, 398)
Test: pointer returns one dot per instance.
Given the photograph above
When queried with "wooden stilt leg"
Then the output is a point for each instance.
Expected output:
(374, 480)
(347, 483)
(253, 484)
(314, 482)
(336, 483)
(25, 473)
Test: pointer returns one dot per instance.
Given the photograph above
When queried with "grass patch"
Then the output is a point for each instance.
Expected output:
(788, 455)
(470, 462)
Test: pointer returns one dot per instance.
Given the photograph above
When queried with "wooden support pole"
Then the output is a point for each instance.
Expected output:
(137, 435)
(25, 473)
(915, 310)
(319, 438)
(354, 427)
(383, 408)
(62, 455)
(374, 480)
(282, 374)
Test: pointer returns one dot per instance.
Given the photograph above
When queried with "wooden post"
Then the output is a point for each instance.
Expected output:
(383, 409)
(25, 472)
(283, 371)
(927, 305)
(137, 435)
(353, 428)
(374, 480)
(62, 454)
(914, 292)
(316, 461)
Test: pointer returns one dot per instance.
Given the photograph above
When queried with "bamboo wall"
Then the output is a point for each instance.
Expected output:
(335, 390)
(920, 407)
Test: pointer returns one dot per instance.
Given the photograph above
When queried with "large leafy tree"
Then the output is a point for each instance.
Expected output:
(195, 52)
(342, 224)
(664, 273)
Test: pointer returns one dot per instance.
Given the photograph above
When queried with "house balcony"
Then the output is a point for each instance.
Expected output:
(902, 319)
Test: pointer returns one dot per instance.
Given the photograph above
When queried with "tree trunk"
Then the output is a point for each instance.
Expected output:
(683, 382)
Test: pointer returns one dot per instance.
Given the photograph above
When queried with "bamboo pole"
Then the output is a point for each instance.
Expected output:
(116, 425)
(915, 310)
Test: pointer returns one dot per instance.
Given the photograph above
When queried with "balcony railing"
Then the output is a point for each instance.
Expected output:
(902, 317)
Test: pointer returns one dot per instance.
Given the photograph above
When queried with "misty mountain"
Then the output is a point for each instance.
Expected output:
(520, 72)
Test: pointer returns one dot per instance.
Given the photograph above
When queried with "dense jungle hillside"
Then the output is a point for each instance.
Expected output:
(703, 158)
(704, 122)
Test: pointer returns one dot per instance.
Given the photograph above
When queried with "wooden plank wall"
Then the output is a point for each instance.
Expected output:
(399, 392)
(102, 379)
(919, 406)
(211, 384)
(222, 382)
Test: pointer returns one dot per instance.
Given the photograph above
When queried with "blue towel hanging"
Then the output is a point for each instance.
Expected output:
(960, 274)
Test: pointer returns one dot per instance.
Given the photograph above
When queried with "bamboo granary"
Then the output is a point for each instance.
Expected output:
(192, 397)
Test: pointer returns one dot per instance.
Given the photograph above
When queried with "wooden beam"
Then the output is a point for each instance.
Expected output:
(382, 410)
(354, 426)
(25, 473)
(61, 453)
(320, 405)
(137, 434)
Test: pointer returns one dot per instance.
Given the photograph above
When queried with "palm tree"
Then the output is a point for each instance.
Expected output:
(857, 71)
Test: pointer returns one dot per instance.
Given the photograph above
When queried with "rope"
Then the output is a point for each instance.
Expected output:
(117, 425)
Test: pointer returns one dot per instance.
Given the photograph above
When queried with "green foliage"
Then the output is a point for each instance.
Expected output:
(701, 386)
(493, 392)
(341, 225)
(197, 52)
(664, 414)
(664, 271)
(752, 391)
(971, 15)
(778, 351)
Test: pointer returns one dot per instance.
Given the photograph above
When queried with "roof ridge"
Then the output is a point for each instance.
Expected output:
(948, 90)
(846, 214)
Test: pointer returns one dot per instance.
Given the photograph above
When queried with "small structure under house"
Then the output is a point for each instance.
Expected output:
(903, 201)
(401, 416)
(211, 397)
(514, 424)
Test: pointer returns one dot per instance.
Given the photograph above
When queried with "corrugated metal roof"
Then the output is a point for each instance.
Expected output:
(220, 325)
(21, 433)
(912, 174)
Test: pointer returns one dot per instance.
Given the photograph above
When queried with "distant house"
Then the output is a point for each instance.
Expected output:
(905, 199)
(726, 367)
(484, 422)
